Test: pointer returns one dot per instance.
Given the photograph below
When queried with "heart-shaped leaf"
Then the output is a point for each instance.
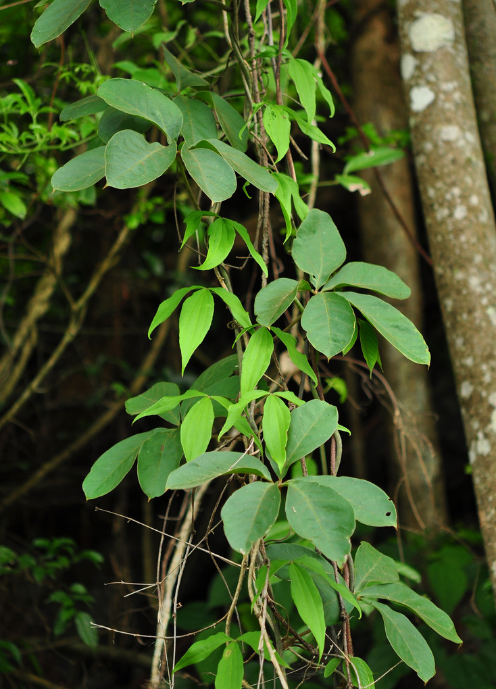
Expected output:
(132, 162)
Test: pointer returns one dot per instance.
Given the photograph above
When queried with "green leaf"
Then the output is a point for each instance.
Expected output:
(370, 503)
(325, 93)
(235, 410)
(87, 633)
(135, 405)
(216, 372)
(210, 171)
(290, 397)
(249, 513)
(129, 15)
(313, 132)
(13, 203)
(392, 325)
(291, 14)
(229, 119)
(221, 240)
(86, 106)
(184, 77)
(371, 566)
(132, 162)
(242, 231)
(369, 344)
(311, 426)
(194, 323)
(302, 74)
(81, 172)
(407, 642)
(246, 167)
(235, 305)
(157, 458)
(318, 248)
(297, 357)
(168, 403)
(56, 19)
(349, 346)
(278, 126)
(374, 158)
(261, 5)
(211, 465)
(436, 618)
(253, 640)
(308, 602)
(198, 120)
(275, 425)
(230, 669)
(193, 222)
(369, 276)
(273, 300)
(196, 429)
(330, 323)
(353, 183)
(113, 121)
(345, 593)
(168, 306)
(288, 189)
(321, 515)
(361, 674)
(201, 650)
(137, 98)
(256, 359)
(331, 666)
(109, 469)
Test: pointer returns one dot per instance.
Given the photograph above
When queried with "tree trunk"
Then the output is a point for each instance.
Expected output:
(480, 24)
(460, 224)
(378, 99)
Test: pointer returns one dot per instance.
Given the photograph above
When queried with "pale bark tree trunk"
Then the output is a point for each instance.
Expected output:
(378, 98)
(480, 26)
(460, 224)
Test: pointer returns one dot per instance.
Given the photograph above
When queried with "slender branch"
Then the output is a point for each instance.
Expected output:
(170, 582)
(14, 4)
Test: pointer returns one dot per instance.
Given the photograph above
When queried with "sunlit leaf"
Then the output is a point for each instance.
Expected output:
(194, 323)
(196, 429)
(256, 359)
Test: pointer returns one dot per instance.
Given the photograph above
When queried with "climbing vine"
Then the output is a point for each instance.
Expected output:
(240, 422)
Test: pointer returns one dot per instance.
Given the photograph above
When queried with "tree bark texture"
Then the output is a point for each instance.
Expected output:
(378, 98)
(480, 26)
(460, 224)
